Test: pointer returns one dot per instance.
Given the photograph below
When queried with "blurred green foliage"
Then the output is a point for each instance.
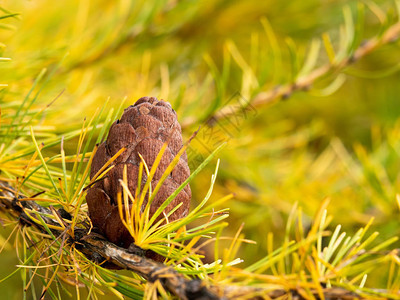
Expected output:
(197, 55)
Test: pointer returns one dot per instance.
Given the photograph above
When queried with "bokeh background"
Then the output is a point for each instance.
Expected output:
(340, 141)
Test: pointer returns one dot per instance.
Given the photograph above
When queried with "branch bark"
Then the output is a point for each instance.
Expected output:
(96, 248)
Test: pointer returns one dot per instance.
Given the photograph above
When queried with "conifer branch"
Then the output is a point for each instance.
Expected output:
(96, 248)
(283, 92)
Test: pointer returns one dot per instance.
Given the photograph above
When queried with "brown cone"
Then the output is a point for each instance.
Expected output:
(143, 128)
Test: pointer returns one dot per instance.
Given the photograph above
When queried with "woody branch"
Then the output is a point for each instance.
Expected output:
(93, 245)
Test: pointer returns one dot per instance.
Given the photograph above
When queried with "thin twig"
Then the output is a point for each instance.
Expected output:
(283, 92)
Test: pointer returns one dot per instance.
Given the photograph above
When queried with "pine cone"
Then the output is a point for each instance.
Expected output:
(143, 128)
